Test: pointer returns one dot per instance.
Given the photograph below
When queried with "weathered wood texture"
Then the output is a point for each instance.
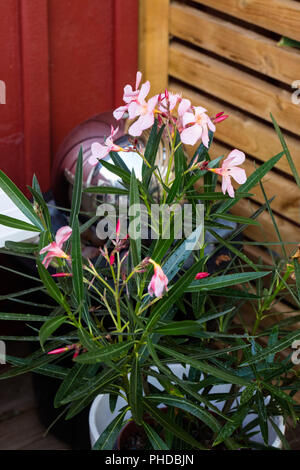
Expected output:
(224, 55)
(154, 42)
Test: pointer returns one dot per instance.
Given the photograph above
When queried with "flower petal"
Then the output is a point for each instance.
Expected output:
(145, 88)
(184, 106)
(190, 135)
(62, 235)
(188, 118)
(238, 174)
(119, 112)
(235, 157)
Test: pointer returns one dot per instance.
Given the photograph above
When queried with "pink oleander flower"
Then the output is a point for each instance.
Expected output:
(168, 101)
(143, 110)
(201, 275)
(128, 96)
(159, 281)
(54, 249)
(100, 151)
(195, 126)
(230, 170)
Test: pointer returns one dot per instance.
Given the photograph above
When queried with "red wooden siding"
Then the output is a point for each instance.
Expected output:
(62, 61)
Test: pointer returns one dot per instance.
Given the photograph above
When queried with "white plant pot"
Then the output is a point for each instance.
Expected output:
(100, 415)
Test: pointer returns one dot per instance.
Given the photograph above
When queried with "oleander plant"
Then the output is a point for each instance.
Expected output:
(158, 295)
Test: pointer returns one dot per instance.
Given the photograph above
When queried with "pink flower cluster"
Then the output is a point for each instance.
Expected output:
(192, 121)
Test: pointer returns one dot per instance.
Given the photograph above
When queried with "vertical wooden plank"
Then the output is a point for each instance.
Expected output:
(125, 46)
(35, 80)
(11, 119)
(154, 42)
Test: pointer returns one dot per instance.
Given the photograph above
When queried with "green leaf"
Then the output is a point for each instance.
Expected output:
(151, 152)
(51, 286)
(277, 392)
(136, 391)
(28, 366)
(184, 327)
(297, 275)
(16, 223)
(118, 161)
(135, 222)
(233, 249)
(262, 416)
(108, 352)
(180, 164)
(288, 42)
(181, 254)
(225, 280)
(247, 393)
(108, 438)
(42, 205)
(19, 200)
(106, 190)
(124, 175)
(280, 346)
(72, 380)
(26, 317)
(235, 421)
(208, 196)
(235, 294)
(228, 376)
(77, 278)
(236, 218)
(155, 440)
(286, 150)
(51, 325)
(77, 189)
(168, 424)
(182, 403)
(91, 387)
(21, 247)
(281, 436)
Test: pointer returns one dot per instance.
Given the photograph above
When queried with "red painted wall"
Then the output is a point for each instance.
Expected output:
(62, 61)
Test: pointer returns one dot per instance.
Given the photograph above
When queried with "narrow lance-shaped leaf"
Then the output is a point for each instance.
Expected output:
(19, 200)
(50, 326)
(135, 226)
(51, 286)
(225, 280)
(108, 437)
(108, 352)
(136, 391)
(77, 278)
(16, 223)
(77, 189)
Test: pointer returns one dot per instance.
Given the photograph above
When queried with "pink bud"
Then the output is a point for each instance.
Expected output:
(111, 259)
(62, 275)
(118, 228)
(220, 117)
(58, 351)
(201, 275)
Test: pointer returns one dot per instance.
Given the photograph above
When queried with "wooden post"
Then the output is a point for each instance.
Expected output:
(154, 42)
